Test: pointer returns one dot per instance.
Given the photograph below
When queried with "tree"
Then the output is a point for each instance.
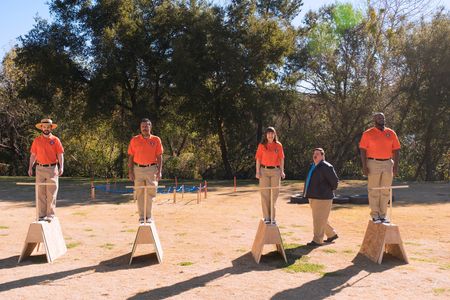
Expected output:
(426, 89)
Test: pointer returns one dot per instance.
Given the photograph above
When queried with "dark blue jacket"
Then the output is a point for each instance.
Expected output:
(323, 182)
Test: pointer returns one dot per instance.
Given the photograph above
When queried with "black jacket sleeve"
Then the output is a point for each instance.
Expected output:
(331, 176)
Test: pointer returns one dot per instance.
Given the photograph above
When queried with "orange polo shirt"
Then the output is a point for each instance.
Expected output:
(145, 150)
(379, 144)
(270, 156)
(46, 149)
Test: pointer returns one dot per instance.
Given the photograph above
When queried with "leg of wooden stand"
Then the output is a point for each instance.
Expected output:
(380, 239)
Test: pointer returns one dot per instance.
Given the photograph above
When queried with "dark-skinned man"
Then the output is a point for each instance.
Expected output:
(380, 150)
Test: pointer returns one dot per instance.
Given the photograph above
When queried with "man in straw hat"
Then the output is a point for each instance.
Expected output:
(47, 154)
(145, 166)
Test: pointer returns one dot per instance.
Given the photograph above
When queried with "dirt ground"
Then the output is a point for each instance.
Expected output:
(207, 248)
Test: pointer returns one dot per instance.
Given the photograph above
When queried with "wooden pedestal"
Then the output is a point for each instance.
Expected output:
(267, 234)
(380, 239)
(48, 233)
(147, 234)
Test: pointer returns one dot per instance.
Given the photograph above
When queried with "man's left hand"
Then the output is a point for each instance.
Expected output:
(60, 171)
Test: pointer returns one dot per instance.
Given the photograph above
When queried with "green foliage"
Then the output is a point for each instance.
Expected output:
(304, 266)
(73, 245)
(211, 78)
(345, 17)
(108, 246)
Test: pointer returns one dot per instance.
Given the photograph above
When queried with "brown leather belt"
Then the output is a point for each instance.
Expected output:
(47, 165)
(269, 167)
(144, 166)
(379, 159)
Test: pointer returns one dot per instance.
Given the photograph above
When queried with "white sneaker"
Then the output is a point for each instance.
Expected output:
(49, 218)
(376, 220)
(149, 220)
(385, 220)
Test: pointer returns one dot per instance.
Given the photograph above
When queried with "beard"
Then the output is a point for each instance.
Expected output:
(46, 132)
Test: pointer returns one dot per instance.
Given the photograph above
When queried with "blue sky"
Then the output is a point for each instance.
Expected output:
(18, 16)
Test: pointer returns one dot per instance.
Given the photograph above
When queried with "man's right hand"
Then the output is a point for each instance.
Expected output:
(30, 172)
(257, 175)
(131, 175)
(365, 170)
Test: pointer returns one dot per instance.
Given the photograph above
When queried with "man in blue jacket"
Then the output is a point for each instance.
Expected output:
(319, 186)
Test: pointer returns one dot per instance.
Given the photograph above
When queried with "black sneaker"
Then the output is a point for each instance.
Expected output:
(141, 220)
(330, 239)
(376, 220)
(385, 220)
(266, 221)
(313, 244)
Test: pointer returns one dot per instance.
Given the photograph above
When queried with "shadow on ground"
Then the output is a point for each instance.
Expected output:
(240, 265)
(334, 282)
(111, 265)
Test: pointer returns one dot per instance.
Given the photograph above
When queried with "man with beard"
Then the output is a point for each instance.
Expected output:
(47, 153)
(380, 151)
(145, 166)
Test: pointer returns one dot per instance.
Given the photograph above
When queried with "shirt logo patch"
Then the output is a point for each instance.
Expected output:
(152, 143)
(52, 142)
(388, 134)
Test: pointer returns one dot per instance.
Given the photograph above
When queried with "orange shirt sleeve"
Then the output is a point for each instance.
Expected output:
(130, 148)
(395, 143)
(59, 147)
(364, 143)
(159, 147)
(259, 152)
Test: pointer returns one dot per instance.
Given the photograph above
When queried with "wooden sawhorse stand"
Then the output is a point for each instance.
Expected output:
(268, 234)
(383, 238)
(147, 233)
(48, 233)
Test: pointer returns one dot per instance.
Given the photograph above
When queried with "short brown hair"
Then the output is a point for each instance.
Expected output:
(320, 150)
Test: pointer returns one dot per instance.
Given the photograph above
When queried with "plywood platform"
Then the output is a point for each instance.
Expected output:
(147, 234)
(47, 233)
(380, 239)
(267, 234)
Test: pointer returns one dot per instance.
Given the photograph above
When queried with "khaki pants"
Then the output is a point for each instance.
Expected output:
(145, 176)
(47, 193)
(380, 174)
(320, 211)
(269, 178)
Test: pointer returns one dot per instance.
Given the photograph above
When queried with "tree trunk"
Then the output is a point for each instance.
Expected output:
(223, 149)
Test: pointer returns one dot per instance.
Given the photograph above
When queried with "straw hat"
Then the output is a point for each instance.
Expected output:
(46, 121)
